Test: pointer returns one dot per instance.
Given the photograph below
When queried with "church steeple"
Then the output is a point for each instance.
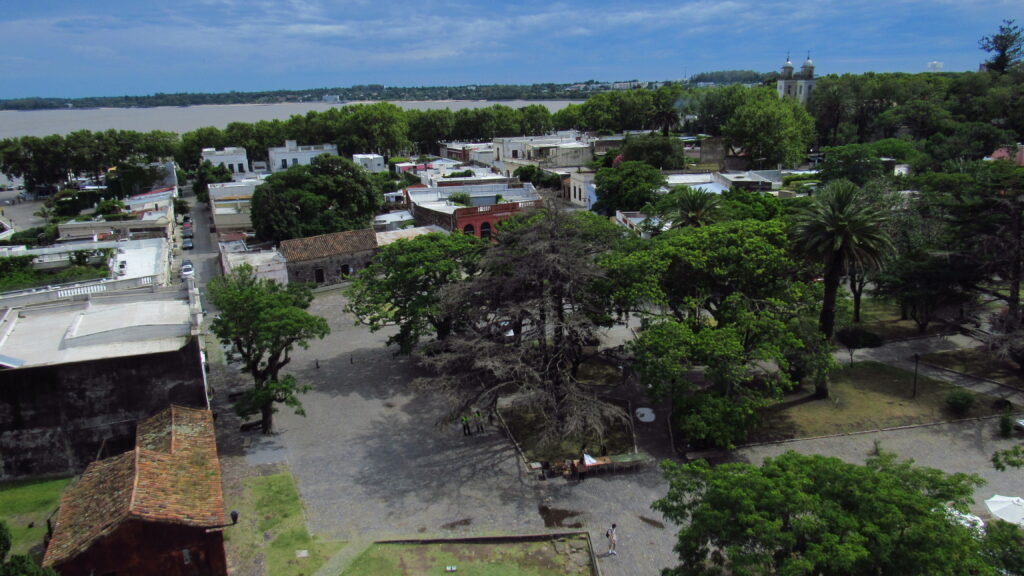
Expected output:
(807, 70)
(787, 68)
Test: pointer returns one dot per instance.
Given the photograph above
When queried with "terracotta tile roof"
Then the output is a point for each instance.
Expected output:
(172, 476)
(326, 245)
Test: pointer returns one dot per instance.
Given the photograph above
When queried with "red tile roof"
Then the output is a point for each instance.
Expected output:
(326, 245)
(172, 476)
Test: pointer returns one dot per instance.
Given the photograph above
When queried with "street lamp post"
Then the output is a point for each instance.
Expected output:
(917, 359)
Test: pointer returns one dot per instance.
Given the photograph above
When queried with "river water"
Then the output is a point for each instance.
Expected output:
(185, 118)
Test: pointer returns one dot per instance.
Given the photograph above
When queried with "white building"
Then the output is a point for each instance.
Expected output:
(230, 204)
(235, 159)
(291, 153)
(798, 85)
(373, 163)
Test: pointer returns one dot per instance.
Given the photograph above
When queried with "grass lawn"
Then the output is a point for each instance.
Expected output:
(544, 558)
(882, 316)
(24, 503)
(978, 362)
(865, 396)
(273, 524)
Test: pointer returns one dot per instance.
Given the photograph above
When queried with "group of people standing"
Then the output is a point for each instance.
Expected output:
(476, 418)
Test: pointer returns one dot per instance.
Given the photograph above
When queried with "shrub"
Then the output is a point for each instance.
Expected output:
(857, 337)
(960, 401)
(1006, 425)
(460, 198)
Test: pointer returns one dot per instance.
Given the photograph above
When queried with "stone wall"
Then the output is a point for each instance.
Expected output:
(333, 267)
(54, 420)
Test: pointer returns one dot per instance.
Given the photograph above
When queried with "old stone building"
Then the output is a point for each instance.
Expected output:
(156, 509)
(76, 376)
(328, 258)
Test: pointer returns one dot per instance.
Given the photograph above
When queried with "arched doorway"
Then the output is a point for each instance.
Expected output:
(469, 230)
(485, 230)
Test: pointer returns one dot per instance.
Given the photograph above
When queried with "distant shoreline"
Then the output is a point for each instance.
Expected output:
(180, 119)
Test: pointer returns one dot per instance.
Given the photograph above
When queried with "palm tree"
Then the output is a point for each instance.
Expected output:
(686, 206)
(665, 113)
(665, 118)
(840, 228)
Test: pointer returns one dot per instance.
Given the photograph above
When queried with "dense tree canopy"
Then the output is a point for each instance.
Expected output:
(332, 194)
(628, 186)
(403, 285)
(772, 131)
(523, 323)
(799, 514)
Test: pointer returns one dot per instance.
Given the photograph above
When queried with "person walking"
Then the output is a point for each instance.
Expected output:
(479, 421)
(613, 539)
(465, 426)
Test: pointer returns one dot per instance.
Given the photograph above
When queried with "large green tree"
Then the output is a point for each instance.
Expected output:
(524, 322)
(628, 186)
(332, 194)
(821, 516)
(1006, 46)
(659, 151)
(840, 228)
(208, 174)
(733, 304)
(771, 130)
(263, 321)
(402, 285)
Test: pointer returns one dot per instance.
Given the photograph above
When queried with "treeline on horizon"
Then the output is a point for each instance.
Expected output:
(544, 91)
(936, 118)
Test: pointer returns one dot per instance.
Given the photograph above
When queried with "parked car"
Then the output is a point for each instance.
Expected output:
(187, 233)
(186, 219)
(186, 244)
(187, 269)
(1019, 424)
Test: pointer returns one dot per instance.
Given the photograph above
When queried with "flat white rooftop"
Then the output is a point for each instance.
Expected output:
(98, 329)
(385, 238)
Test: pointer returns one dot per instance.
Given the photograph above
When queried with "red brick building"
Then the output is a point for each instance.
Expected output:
(480, 221)
(154, 510)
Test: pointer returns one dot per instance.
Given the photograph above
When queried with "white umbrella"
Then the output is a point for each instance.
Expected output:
(1009, 508)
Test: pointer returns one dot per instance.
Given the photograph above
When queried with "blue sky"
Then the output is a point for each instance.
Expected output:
(70, 48)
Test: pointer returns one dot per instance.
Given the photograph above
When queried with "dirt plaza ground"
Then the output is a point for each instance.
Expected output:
(372, 463)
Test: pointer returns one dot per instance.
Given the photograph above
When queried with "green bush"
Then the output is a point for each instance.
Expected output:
(960, 401)
(460, 198)
(857, 337)
(1006, 425)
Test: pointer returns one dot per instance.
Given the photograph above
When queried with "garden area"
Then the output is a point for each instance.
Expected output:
(870, 396)
(17, 272)
(556, 556)
(24, 507)
(978, 362)
(271, 531)
(881, 316)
